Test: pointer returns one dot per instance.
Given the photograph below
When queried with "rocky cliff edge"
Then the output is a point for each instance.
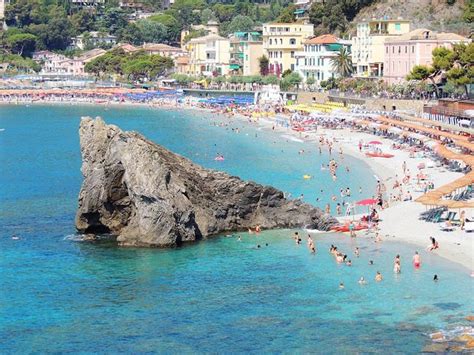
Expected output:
(147, 196)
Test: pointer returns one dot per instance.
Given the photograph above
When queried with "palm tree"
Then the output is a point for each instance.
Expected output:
(342, 63)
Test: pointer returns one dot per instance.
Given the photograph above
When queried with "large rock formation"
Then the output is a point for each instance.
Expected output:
(146, 195)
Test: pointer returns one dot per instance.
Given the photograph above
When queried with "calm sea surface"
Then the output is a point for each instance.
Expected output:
(221, 295)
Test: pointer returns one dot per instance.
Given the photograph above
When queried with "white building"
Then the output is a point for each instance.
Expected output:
(315, 61)
(93, 39)
(3, 3)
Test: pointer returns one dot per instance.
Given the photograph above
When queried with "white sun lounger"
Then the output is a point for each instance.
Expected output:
(445, 227)
(469, 227)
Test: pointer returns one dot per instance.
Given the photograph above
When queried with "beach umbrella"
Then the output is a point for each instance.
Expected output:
(366, 202)
(375, 142)
(458, 204)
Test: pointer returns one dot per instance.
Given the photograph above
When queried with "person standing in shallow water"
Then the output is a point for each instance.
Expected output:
(397, 265)
(416, 260)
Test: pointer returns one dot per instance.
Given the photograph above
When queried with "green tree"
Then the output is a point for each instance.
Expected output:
(317, 13)
(310, 81)
(182, 79)
(468, 14)
(21, 13)
(270, 80)
(290, 81)
(131, 34)
(420, 72)
(187, 12)
(240, 24)
(172, 25)
(20, 64)
(23, 44)
(443, 58)
(288, 14)
(342, 62)
(224, 13)
(193, 34)
(114, 20)
(152, 32)
(263, 63)
(207, 15)
(83, 21)
(59, 33)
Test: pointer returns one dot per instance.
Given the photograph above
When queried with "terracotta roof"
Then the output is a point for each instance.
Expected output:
(127, 47)
(160, 47)
(323, 39)
(91, 54)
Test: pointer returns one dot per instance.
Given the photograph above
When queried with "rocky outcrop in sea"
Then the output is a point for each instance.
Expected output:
(147, 196)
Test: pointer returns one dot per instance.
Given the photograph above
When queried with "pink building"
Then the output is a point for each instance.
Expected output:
(58, 64)
(402, 53)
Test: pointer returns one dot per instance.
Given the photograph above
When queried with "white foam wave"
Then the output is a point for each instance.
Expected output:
(291, 138)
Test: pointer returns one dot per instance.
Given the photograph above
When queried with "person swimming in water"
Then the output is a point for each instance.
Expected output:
(435, 278)
(378, 277)
(362, 281)
(341, 285)
(356, 251)
(371, 262)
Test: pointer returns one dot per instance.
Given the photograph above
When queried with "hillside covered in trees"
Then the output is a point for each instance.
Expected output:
(50, 24)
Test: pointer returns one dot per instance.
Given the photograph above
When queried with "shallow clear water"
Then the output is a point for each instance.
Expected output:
(220, 295)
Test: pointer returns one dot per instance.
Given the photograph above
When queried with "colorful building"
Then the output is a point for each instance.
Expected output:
(280, 43)
(209, 55)
(402, 53)
(58, 64)
(368, 45)
(315, 61)
(245, 49)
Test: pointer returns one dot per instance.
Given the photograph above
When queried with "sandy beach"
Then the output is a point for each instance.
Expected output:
(400, 221)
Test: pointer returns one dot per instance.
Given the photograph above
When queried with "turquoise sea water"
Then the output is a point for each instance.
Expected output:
(221, 295)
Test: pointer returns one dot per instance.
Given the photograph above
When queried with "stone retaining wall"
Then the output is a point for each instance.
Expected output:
(415, 106)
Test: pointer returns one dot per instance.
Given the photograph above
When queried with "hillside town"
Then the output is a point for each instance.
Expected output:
(388, 50)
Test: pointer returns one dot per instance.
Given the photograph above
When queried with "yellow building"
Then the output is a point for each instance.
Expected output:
(368, 53)
(211, 28)
(208, 55)
(280, 43)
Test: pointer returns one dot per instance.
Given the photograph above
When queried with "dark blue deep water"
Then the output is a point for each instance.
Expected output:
(222, 295)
